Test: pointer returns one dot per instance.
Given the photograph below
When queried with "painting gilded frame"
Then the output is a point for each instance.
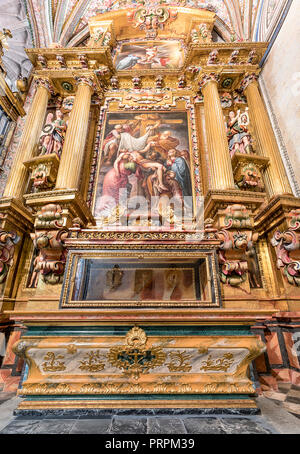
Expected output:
(102, 128)
(211, 266)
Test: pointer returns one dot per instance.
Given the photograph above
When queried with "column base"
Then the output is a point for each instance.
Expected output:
(14, 215)
(275, 212)
(70, 200)
(216, 200)
(161, 406)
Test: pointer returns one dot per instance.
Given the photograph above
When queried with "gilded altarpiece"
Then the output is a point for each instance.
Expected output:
(154, 204)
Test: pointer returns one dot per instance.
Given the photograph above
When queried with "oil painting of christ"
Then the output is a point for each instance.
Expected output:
(143, 154)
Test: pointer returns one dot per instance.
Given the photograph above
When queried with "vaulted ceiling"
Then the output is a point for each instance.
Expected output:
(43, 23)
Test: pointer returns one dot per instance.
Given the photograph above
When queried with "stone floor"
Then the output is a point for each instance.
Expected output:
(273, 420)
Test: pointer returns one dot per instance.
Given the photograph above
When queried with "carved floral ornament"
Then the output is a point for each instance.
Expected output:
(287, 247)
(206, 78)
(51, 259)
(43, 82)
(236, 235)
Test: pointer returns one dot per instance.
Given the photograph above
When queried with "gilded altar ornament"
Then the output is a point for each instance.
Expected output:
(250, 178)
(222, 363)
(151, 19)
(226, 99)
(234, 57)
(288, 250)
(61, 61)
(179, 361)
(133, 357)
(42, 61)
(114, 83)
(6, 33)
(213, 58)
(52, 363)
(114, 278)
(253, 57)
(237, 239)
(92, 362)
(159, 82)
(7, 249)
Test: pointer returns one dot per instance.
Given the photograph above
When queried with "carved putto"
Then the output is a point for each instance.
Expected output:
(182, 81)
(159, 82)
(114, 83)
(83, 61)
(42, 61)
(234, 57)
(137, 82)
(250, 178)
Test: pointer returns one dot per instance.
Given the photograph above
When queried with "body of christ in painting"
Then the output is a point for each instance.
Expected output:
(143, 155)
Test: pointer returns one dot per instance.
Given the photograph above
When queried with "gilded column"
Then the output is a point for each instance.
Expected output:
(17, 180)
(221, 175)
(275, 174)
(69, 172)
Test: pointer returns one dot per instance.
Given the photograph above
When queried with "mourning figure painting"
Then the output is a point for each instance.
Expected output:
(144, 155)
(161, 55)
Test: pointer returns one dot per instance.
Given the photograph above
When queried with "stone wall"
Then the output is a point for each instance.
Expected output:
(281, 79)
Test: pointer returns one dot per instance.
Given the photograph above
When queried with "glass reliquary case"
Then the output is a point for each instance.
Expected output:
(141, 279)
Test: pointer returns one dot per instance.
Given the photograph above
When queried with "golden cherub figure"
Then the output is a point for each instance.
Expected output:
(6, 33)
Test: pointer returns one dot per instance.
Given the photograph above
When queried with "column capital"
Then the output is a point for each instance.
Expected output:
(208, 77)
(85, 80)
(44, 82)
(248, 79)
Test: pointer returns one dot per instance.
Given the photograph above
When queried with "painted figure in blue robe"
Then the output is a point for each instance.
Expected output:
(128, 62)
(178, 164)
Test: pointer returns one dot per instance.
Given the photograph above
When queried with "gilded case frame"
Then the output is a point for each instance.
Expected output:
(75, 255)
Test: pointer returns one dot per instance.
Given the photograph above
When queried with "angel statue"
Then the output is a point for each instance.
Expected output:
(53, 134)
(238, 134)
